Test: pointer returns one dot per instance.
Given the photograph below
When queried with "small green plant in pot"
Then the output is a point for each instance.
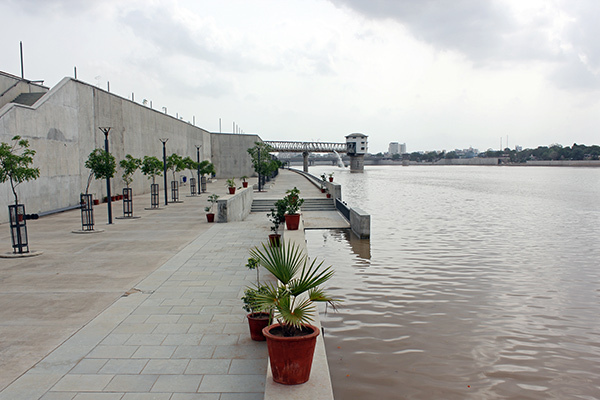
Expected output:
(210, 215)
(293, 203)
(244, 181)
(258, 317)
(277, 217)
(231, 185)
(291, 341)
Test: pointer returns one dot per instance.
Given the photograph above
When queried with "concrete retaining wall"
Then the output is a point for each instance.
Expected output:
(360, 223)
(235, 207)
(572, 163)
(62, 127)
(230, 154)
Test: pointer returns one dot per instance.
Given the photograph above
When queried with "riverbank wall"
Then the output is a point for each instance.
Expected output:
(62, 126)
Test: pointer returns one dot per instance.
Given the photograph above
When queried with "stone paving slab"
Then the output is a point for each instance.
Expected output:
(167, 338)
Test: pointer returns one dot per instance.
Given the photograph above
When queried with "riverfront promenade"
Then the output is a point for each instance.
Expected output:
(148, 309)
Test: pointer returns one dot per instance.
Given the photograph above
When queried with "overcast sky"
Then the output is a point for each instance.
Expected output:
(431, 73)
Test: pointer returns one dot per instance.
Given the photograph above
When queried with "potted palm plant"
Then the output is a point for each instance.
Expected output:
(210, 215)
(277, 217)
(244, 182)
(291, 341)
(331, 177)
(231, 185)
(293, 203)
(257, 318)
(323, 180)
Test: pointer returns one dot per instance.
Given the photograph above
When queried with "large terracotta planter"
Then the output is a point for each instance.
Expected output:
(291, 357)
(257, 322)
(210, 217)
(245, 184)
(231, 190)
(275, 240)
(292, 221)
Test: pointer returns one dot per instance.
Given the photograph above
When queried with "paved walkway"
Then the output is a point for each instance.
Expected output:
(148, 309)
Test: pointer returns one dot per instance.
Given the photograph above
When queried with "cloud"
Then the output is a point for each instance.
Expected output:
(503, 34)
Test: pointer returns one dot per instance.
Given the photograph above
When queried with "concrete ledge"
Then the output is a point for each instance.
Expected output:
(360, 223)
(235, 207)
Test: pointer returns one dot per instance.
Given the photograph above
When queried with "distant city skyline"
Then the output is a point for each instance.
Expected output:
(438, 76)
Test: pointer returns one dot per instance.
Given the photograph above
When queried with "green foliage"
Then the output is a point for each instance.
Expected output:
(230, 183)
(266, 165)
(190, 164)
(251, 298)
(152, 167)
(130, 164)
(213, 198)
(101, 164)
(253, 264)
(175, 163)
(207, 168)
(243, 178)
(15, 163)
(277, 215)
(299, 285)
(293, 201)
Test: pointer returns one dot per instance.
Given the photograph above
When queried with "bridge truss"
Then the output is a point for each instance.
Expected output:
(307, 147)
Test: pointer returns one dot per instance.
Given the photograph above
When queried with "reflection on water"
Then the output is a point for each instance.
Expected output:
(477, 283)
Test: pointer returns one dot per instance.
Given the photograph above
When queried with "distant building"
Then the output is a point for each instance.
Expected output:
(396, 148)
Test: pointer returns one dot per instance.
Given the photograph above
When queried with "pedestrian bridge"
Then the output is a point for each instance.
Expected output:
(307, 147)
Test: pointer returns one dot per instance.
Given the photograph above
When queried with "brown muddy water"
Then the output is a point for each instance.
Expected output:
(477, 283)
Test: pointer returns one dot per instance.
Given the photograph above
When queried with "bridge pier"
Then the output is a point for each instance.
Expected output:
(357, 163)
(305, 161)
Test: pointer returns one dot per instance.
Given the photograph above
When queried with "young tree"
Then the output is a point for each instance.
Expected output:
(130, 164)
(15, 164)
(102, 165)
(151, 167)
(175, 163)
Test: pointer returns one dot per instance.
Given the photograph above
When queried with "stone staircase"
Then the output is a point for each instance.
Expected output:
(319, 204)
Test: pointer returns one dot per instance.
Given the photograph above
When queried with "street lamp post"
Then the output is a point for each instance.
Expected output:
(105, 130)
(164, 142)
(259, 175)
(198, 156)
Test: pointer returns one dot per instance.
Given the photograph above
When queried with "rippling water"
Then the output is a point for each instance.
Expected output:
(477, 283)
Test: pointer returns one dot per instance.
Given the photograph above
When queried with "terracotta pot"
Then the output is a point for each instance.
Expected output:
(231, 190)
(275, 239)
(328, 195)
(210, 217)
(291, 357)
(245, 184)
(96, 202)
(323, 190)
(292, 221)
(331, 179)
(257, 322)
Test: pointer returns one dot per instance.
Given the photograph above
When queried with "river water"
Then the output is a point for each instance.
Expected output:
(477, 283)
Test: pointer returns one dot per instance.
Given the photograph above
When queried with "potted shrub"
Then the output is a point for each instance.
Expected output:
(293, 203)
(244, 182)
(331, 177)
(231, 185)
(151, 167)
(323, 180)
(258, 319)
(130, 164)
(15, 167)
(176, 164)
(193, 166)
(291, 341)
(102, 165)
(206, 168)
(277, 217)
(210, 216)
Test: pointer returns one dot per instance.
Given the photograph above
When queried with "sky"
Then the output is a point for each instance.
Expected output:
(434, 74)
